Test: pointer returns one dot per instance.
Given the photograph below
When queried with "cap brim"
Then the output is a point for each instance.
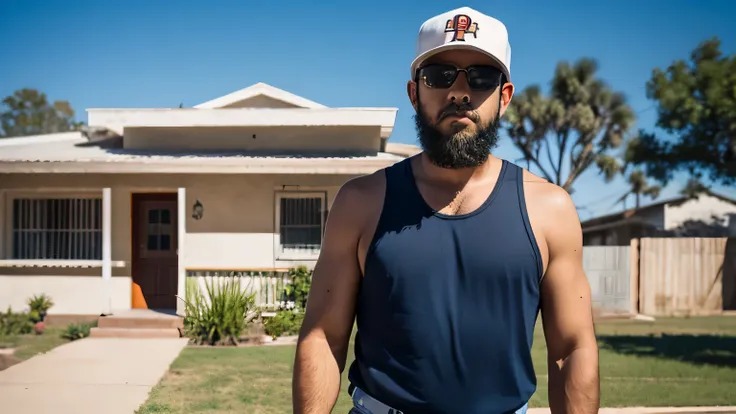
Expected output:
(457, 46)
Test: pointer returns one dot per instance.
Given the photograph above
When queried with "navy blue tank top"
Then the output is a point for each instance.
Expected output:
(448, 303)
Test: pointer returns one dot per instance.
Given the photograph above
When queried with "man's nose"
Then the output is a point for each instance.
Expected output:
(459, 91)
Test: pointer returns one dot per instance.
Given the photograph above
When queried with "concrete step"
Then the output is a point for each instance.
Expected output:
(133, 322)
(134, 333)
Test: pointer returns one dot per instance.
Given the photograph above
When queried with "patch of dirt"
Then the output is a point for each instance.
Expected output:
(7, 360)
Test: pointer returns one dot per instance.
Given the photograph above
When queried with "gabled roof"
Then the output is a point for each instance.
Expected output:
(632, 212)
(260, 89)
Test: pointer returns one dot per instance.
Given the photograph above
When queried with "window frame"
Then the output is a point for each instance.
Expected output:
(284, 254)
(9, 226)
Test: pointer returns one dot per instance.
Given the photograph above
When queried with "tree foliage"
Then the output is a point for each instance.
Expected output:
(694, 188)
(28, 112)
(573, 128)
(696, 105)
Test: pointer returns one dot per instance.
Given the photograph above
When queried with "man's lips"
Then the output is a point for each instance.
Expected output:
(457, 114)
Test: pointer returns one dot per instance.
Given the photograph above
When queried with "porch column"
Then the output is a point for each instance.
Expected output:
(3, 255)
(106, 250)
(181, 221)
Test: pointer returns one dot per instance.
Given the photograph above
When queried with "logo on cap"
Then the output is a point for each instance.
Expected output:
(460, 25)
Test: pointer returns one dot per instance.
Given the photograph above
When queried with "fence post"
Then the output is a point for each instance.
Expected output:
(634, 276)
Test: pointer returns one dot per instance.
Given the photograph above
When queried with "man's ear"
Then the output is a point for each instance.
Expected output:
(507, 92)
(411, 90)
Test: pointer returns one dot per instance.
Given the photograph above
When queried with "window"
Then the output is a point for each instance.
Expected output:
(300, 221)
(159, 229)
(57, 228)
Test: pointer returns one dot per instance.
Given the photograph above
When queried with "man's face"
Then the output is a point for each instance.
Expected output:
(458, 124)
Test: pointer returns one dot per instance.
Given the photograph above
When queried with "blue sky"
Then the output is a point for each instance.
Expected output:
(161, 53)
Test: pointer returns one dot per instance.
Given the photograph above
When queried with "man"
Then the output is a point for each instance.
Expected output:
(447, 257)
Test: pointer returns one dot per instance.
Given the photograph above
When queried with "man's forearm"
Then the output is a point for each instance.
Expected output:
(574, 383)
(316, 381)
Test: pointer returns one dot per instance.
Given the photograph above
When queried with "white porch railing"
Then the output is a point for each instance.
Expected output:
(268, 285)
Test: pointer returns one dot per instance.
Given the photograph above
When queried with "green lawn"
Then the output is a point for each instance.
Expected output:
(678, 362)
(29, 345)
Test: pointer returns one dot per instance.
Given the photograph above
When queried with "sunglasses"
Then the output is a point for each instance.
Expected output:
(479, 77)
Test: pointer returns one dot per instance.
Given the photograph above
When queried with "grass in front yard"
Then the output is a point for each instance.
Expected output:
(29, 345)
(677, 362)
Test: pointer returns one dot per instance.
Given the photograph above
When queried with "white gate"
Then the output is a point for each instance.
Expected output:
(608, 271)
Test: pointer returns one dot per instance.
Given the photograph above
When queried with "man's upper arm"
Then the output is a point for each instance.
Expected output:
(336, 277)
(566, 298)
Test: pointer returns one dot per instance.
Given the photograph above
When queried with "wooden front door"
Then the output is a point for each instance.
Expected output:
(154, 250)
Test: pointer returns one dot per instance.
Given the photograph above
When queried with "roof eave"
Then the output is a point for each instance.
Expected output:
(275, 166)
(116, 119)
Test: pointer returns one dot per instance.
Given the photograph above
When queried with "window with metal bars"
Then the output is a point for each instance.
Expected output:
(57, 229)
(301, 223)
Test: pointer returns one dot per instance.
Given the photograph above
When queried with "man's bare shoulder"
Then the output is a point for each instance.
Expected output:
(553, 214)
(547, 196)
(361, 198)
(363, 188)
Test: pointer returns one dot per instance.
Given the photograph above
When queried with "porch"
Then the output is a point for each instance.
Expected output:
(110, 249)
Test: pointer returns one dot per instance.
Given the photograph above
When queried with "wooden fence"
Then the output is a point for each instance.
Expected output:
(687, 276)
(663, 276)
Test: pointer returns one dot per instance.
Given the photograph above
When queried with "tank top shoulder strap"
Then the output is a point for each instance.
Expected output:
(397, 179)
(518, 176)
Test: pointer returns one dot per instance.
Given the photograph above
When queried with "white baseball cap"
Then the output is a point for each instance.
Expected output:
(467, 29)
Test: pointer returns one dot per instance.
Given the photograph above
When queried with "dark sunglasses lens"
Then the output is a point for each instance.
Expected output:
(438, 76)
(483, 78)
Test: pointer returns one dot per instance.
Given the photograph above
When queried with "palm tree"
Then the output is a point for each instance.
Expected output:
(573, 128)
(638, 186)
(693, 188)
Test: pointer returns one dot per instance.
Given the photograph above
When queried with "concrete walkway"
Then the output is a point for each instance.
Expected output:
(92, 375)
(653, 410)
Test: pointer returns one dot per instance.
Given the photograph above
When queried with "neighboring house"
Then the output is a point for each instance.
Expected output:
(708, 215)
(115, 216)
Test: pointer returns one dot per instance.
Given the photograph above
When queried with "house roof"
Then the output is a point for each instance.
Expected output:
(234, 110)
(261, 89)
(405, 150)
(235, 117)
(71, 153)
(99, 148)
(623, 217)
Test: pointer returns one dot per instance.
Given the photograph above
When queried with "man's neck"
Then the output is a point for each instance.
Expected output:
(450, 176)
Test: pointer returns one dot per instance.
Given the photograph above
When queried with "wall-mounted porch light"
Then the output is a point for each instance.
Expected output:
(197, 210)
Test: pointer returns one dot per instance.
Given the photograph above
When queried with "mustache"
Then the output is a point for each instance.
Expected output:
(454, 109)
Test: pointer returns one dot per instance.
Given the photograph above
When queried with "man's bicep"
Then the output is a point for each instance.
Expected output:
(566, 297)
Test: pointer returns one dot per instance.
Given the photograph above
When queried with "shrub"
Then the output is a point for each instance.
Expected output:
(220, 316)
(288, 320)
(298, 290)
(39, 305)
(15, 323)
(76, 331)
(285, 322)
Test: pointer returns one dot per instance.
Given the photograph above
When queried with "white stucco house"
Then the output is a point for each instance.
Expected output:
(708, 214)
(119, 215)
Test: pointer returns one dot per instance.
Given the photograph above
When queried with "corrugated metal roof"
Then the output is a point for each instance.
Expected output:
(66, 148)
